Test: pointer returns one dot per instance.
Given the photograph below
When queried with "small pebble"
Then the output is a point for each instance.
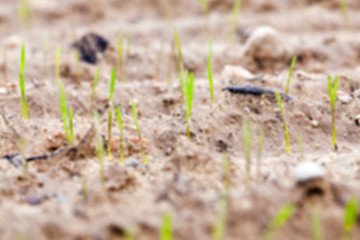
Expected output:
(307, 171)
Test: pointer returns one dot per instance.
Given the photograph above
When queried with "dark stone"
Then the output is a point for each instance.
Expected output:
(89, 46)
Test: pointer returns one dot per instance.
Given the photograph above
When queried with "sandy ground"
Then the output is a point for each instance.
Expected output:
(182, 178)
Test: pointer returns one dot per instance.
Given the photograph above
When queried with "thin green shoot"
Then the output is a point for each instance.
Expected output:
(204, 6)
(220, 224)
(166, 231)
(22, 84)
(282, 216)
(71, 126)
(45, 49)
(344, 10)
(120, 51)
(100, 149)
(332, 88)
(316, 225)
(84, 188)
(93, 90)
(4, 66)
(77, 59)
(210, 75)
(226, 173)
(22, 145)
(301, 146)
(158, 62)
(350, 217)
(247, 139)
(134, 112)
(170, 65)
(121, 128)
(57, 64)
(189, 93)
(234, 18)
(64, 113)
(24, 12)
(111, 95)
(129, 234)
(179, 63)
(179, 51)
(260, 152)
(286, 129)
(291, 69)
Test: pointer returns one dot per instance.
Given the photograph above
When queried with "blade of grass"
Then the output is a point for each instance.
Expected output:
(121, 58)
(291, 69)
(210, 76)
(332, 88)
(316, 225)
(220, 225)
(22, 84)
(134, 112)
(166, 232)
(189, 93)
(247, 135)
(234, 18)
(286, 130)
(350, 217)
(259, 152)
(100, 149)
(111, 95)
(93, 90)
(57, 64)
(71, 126)
(282, 216)
(121, 127)
(344, 10)
(64, 112)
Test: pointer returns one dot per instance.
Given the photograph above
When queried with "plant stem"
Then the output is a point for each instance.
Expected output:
(289, 75)
(286, 129)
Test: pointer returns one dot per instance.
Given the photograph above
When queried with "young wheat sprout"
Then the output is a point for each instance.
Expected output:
(166, 227)
(121, 128)
(134, 112)
(332, 88)
(111, 95)
(210, 75)
(100, 149)
(282, 216)
(286, 130)
(189, 93)
(350, 217)
(247, 135)
(22, 84)
(291, 69)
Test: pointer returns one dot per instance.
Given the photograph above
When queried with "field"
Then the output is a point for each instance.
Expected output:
(259, 160)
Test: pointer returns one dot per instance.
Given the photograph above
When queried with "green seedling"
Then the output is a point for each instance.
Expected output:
(57, 64)
(282, 216)
(71, 126)
(247, 135)
(121, 58)
(301, 146)
(129, 234)
(64, 114)
(170, 65)
(77, 59)
(179, 63)
(226, 173)
(22, 154)
(45, 49)
(291, 69)
(121, 128)
(84, 189)
(24, 12)
(220, 225)
(316, 225)
(166, 231)
(93, 90)
(260, 152)
(344, 10)
(158, 61)
(100, 149)
(351, 215)
(4, 66)
(22, 84)
(134, 112)
(189, 93)
(204, 6)
(111, 95)
(234, 18)
(286, 129)
(332, 88)
(210, 76)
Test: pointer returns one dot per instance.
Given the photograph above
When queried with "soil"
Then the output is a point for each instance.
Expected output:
(61, 196)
